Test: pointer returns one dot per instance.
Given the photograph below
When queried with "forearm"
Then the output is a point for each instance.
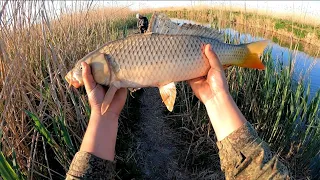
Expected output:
(242, 153)
(95, 157)
(101, 135)
(224, 115)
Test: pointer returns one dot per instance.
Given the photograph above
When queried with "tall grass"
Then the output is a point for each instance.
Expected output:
(43, 121)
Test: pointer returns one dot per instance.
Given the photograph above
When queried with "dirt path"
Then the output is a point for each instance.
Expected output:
(156, 154)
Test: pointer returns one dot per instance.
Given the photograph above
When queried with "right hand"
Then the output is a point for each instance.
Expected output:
(96, 93)
(215, 83)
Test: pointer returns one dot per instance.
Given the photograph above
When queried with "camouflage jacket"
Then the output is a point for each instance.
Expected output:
(243, 155)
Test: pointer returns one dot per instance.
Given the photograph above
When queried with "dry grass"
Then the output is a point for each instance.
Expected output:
(43, 121)
(294, 16)
(287, 33)
(36, 56)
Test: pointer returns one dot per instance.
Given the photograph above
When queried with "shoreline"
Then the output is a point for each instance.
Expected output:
(277, 30)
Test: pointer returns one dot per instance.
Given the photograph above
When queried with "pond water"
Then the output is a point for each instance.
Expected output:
(305, 66)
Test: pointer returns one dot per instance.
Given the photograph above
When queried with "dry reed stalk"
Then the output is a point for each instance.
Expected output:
(36, 54)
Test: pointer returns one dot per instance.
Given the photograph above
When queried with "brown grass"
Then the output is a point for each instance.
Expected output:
(295, 17)
(36, 53)
(36, 56)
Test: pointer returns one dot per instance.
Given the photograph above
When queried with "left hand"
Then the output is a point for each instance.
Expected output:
(96, 93)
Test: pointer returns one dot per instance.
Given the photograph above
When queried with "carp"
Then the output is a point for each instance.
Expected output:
(165, 54)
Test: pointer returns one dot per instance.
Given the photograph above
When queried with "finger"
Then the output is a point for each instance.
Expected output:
(88, 80)
(196, 84)
(196, 80)
(213, 58)
(119, 100)
(108, 98)
(122, 92)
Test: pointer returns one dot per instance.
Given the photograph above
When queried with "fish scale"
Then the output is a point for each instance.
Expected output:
(159, 59)
(166, 54)
(170, 59)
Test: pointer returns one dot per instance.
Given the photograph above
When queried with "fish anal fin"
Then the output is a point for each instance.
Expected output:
(108, 98)
(168, 94)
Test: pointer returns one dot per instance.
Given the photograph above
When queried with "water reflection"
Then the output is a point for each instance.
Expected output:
(181, 21)
(306, 67)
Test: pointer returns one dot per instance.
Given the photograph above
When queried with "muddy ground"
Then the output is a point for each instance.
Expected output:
(157, 149)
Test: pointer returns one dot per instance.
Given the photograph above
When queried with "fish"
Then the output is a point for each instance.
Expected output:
(167, 53)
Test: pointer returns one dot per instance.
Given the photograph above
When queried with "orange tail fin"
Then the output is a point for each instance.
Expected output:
(252, 59)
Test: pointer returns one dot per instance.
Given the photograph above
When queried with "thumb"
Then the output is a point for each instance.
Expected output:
(88, 80)
(213, 58)
(216, 77)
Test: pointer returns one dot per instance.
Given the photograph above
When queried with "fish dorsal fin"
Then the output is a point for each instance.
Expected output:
(168, 94)
(161, 24)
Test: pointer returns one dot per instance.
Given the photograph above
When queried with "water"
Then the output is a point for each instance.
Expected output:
(306, 67)
(181, 21)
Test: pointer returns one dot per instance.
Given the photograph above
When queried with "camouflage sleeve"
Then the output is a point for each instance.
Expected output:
(243, 155)
(88, 166)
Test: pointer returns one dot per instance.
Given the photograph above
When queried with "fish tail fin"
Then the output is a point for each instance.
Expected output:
(252, 59)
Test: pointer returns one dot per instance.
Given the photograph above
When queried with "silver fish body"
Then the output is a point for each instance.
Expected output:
(156, 59)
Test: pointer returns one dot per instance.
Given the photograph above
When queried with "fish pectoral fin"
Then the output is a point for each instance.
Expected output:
(168, 94)
(108, 98)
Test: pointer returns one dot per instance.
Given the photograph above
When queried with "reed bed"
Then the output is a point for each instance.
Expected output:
(291, 33)
(43, 120)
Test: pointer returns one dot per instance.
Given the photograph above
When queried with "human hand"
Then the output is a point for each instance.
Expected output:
(215, 83)
(96, 93)
(101, 134)
(213, 91)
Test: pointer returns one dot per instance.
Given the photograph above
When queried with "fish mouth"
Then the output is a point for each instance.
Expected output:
(72, 81)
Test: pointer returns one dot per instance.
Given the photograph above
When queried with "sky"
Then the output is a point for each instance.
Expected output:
(311, 8)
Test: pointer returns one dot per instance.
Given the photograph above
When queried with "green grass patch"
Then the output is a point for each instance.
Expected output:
(299, 33)
(275, 39)
(280, 24)
(318, 34)
(6, 170)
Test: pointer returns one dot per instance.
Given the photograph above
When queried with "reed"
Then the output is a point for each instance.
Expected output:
(281, 30)
(43, 121)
